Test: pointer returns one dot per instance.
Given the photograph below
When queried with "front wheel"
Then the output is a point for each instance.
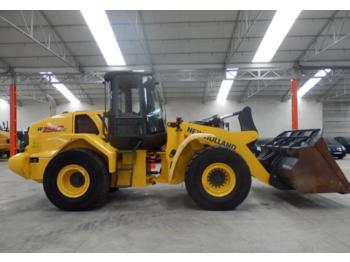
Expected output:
(218, 178)
(76, 180)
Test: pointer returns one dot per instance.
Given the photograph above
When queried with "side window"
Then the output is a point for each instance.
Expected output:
(84, 124)
(128, 102)
(155, 122)
(126, 98)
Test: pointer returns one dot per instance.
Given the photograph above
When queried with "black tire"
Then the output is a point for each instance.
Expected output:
(194, 174)
(340, 157)
(113, 189)
(97, 191)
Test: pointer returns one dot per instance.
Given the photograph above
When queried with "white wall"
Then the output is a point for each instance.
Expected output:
(270, 115)
(34, 111)
(336, 119)
(26, 114)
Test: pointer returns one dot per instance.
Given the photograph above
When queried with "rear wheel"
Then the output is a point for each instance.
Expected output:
(76, 179)
(218, 178)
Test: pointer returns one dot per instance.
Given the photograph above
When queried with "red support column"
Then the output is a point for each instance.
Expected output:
(13, 119)
(294, 93)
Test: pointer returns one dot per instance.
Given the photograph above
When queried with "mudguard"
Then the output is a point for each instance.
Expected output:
(184, 154)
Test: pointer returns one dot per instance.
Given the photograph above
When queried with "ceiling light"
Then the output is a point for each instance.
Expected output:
(312, 82)
(231, 73)
(278, 29)
(224, 90)
(60, 87)
(101, 29)
(226, 85)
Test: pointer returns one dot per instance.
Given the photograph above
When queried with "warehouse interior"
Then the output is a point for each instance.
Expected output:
(191, 54)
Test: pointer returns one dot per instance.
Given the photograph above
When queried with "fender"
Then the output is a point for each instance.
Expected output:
(97, 143)
(22, 165)
(185, 153)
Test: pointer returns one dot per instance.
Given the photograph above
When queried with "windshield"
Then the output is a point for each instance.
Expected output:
(346, 139)
(154, 111)
(331, 141)
(152, 102)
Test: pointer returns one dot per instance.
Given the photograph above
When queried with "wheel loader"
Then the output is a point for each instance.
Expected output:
(4, 140)
(81, 156)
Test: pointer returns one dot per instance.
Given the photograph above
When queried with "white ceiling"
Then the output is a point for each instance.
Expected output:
(187, 50)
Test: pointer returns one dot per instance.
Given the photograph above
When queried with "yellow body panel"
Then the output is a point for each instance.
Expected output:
(95, 143)
(50, 136)
(184, 154)
(235, 140)
(164, 171)
(4, 138)
(19, 164)
(134, 175)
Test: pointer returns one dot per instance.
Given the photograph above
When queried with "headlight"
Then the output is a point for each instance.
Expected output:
(343, 147)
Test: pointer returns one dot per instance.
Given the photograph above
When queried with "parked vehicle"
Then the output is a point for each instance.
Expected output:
(345, 141)
(4, 140)
(335, 148)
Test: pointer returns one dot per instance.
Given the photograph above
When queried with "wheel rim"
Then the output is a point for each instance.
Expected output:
(73, 181)
(218, 179)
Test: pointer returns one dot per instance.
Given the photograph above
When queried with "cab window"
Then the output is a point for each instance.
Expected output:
(84, 124)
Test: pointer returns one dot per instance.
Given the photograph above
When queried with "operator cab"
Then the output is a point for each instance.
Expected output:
(135, 115)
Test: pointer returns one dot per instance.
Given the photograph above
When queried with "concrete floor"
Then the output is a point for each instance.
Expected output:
(164, 219)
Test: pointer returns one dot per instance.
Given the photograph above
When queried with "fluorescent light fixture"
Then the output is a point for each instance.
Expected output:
(226, 85)
(231, 73)
(224, 90)
(60, 87)
(3, 103)
(101, 29)
(277, 31)
(312, 82)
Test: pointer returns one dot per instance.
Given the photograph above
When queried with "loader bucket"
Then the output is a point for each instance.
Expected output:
(300, 160)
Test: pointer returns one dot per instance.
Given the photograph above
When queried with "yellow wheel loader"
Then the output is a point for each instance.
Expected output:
(81, 156)
(4, 140)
